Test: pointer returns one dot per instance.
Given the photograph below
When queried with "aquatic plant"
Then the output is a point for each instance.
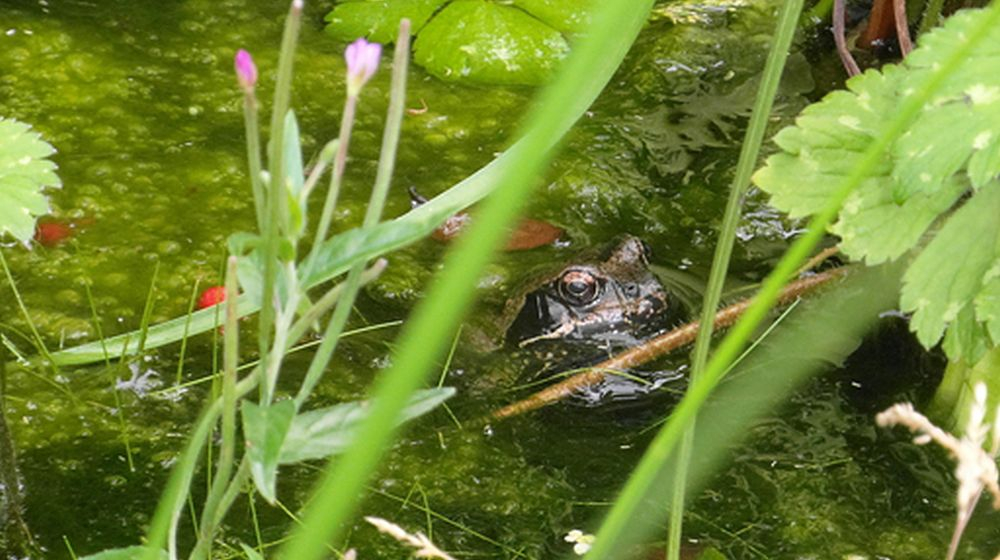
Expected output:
(933, 197)
(472, 40)
(25, 171)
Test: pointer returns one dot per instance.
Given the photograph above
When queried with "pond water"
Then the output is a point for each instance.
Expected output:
(140, 101)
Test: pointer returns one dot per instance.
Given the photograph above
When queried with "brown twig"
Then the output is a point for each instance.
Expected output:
(902, 30)
(656, 347)
(839, 37)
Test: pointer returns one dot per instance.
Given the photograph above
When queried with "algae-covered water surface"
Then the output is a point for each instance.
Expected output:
(140, 101)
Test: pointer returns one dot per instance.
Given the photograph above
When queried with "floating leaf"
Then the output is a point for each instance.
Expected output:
(24, 172)
(320, 433)
(955, 267)
(265, 429)
(568, 16)
(486, 42)
(378, 20)
(128, 553)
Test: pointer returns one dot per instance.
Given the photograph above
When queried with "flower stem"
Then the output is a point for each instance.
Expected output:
(386, 164)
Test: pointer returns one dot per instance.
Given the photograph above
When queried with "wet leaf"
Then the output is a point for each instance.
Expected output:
(532, 233)
(960, 125)
(24, 173)
(568, 16)
(485, 42)
(962, 261)
(317, 434)
(378, 20)
(950, 148)
(265, 429)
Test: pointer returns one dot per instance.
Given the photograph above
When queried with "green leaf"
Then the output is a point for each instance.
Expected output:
(327, 431)
(250, 552)
(293, 154)
(24, 172)
(825, 144)
(485, 42)
(128, 553)
(954, 269)
(265, 428)
(988, 303)
(962, 120)
(568, 16)
(378, 19)
(874, 227)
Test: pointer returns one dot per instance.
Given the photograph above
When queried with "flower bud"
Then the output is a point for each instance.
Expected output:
(362, 60)
(246, 70)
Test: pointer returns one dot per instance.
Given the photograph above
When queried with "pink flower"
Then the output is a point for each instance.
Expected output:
(362, 60)
(246, 70)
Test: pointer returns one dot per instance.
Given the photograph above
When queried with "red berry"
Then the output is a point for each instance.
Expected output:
(212, 296)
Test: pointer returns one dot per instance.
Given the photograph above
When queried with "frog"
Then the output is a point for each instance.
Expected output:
(610, 300)
(574, 315)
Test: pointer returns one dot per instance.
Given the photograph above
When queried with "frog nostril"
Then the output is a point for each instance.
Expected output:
(631, 290)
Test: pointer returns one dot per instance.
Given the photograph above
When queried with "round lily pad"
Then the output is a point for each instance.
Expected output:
(378, 20)
(568, 16)
(484, 42)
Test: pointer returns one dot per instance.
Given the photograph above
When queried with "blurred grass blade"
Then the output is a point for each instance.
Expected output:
(426, 334)
(636, 490)
(727, 236)
(820, 332)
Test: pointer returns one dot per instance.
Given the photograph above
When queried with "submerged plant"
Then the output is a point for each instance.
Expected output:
(975, 469)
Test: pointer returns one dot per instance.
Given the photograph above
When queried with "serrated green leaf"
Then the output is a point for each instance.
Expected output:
(948, 132)
(378, 20)
(265, 428)
(985, 162)
(949, 274)
(966, 337)
(874, 228)
(24, 172)
(988, 302)
(485, 42)
(127, 553)
(317, 434)
(567, 16)
(826, 143)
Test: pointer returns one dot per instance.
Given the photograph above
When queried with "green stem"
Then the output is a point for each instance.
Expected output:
(724, 248)
(39, 343)
(227, 453)
(276, 186)
(336, 178)
(163, 528)
(252, 126)
(383, 178)
(429, 329)
(932, 14)
(659, 451)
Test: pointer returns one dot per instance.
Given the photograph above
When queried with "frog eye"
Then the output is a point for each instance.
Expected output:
(578, 287)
